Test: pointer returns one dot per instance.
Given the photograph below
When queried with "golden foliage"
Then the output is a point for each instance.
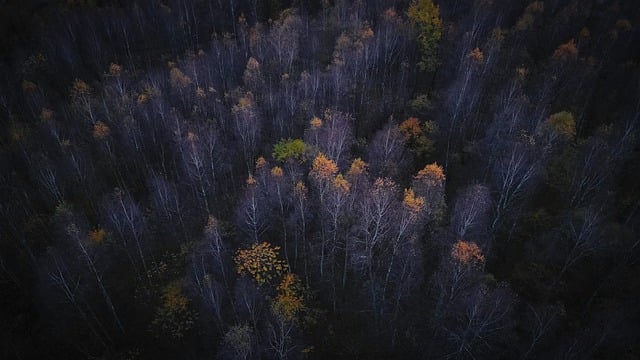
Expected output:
(46, 114)
(200, 93)
(178, 79)
(410, 128)
(383, 186)
(562, 123)
(260, 163)
(467, 253)
(315, 123)
(300, 190)
(251, 180)
(277, 172)
(431, 175)
(522, 72)
(244, 103)
(341, 184)
(115, 69)
(97, 236)
(251, 75)
(477, 55)
(390, 13)
(411, 202)
(358, 167)
(100, 130)
(565, 51)
(173, 317)
(80, 88)
(366, 32)
(261, 262)
(289, 302)
(192, 137)
(323, 168)
(143, 98)
(146, 95)
(528, 17)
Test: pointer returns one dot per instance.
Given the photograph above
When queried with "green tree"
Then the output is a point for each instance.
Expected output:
(426, 16)
(289, 149)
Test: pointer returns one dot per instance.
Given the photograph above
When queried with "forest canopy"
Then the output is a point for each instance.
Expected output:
(242, 179)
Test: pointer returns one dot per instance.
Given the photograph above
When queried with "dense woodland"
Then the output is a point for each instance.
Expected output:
(243, 179)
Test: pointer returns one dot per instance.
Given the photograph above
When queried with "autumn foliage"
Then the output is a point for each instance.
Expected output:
(411, 202)
(467, 253)
(290, 301)
(323, 168)
(431, 175)
(261, 263)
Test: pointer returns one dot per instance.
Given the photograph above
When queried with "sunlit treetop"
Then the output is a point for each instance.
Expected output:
(115, 69)
(178, 79)
(413, 203)
(528, 18)
(315, 123)
(323, 168)
(290, 149)
(260, 163)
(253, 64)
(261, 263)
(410, 128)
(476, 55)
(431, 174)
(97, 236)
(566, 51)
(383, 184)
(341, 184)
(358, 167)
(174, 317)
(300, 190)
(46, 114)
(192, 137)
(244, 103)
(467, 253)
(559, 125)
(290, 300)
(100, 130)
(251, 180)
(276, 172)
(80, 88)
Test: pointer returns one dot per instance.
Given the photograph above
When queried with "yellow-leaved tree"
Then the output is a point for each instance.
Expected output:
(289, 302)
(261, 263)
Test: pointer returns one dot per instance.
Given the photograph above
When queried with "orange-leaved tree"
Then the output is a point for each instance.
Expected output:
(261, 263)
(429, 183)
(289, 302)
(467, 253)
